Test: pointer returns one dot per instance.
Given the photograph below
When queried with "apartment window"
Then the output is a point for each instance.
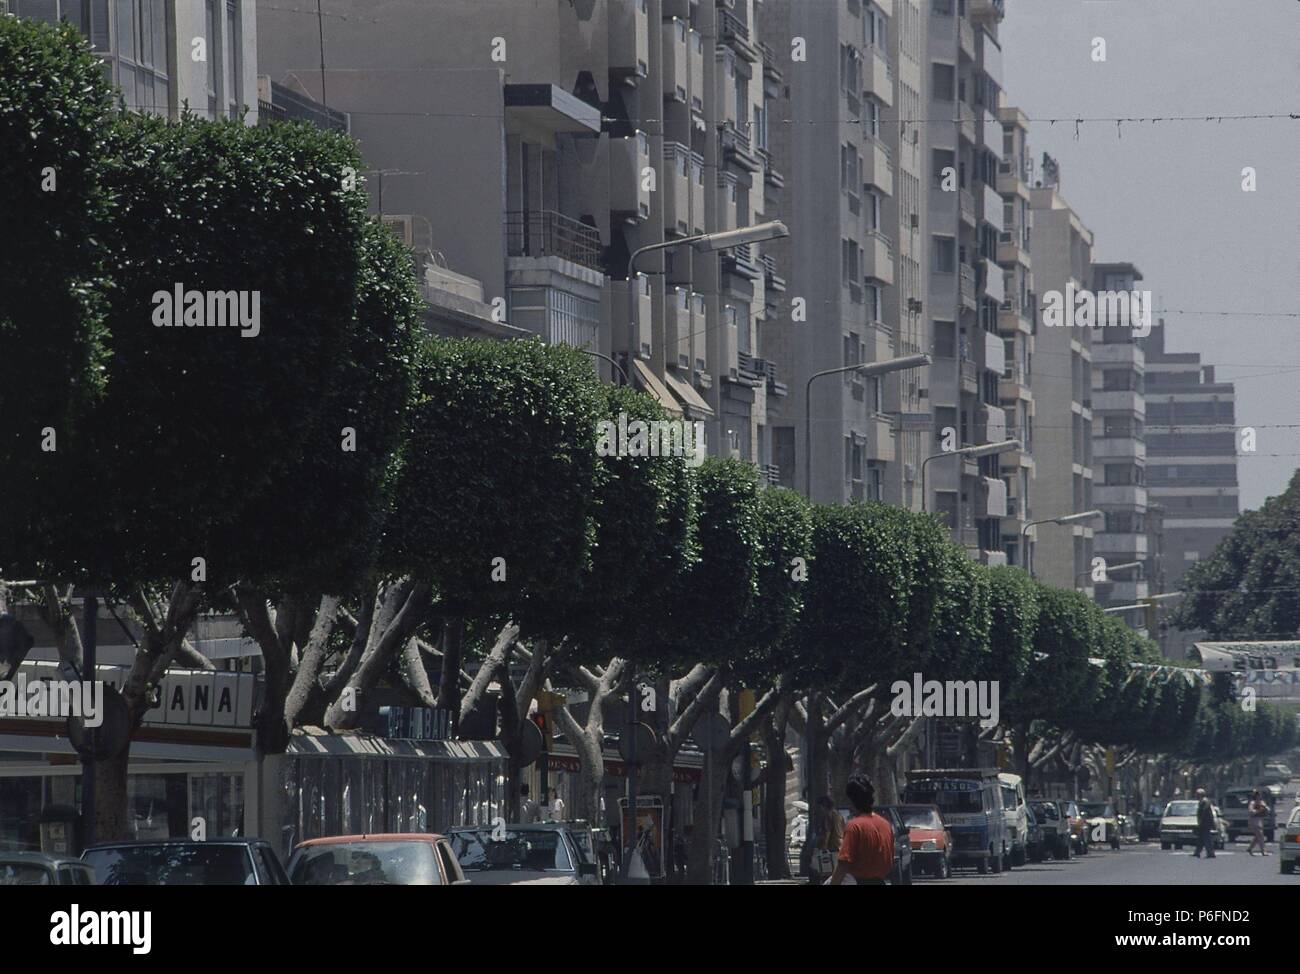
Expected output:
(760, 127)
(941, 8)
(871, 117)
(875, 29)
(850, 172)
(945, 339)
(943, 81)
(943, 254)
(850, 69)
(851, 262)
(871, 296)
(871, 208)
(212, 53)
(875, 482)
(940, 160)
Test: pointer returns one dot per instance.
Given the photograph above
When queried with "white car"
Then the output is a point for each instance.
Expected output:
(1290, 845)
(1178, 825)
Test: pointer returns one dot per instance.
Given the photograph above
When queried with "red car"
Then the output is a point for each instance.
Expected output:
(385, 859)
(931, 841)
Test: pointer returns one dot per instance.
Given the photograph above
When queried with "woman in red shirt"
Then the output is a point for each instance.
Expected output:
(867, 849)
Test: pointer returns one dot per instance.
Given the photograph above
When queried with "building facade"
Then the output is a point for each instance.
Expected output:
(168, 56)
(1118, 439)
(1192, 442)
(1062, 388)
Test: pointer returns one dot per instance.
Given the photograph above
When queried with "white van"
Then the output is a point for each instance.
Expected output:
(1016, 816)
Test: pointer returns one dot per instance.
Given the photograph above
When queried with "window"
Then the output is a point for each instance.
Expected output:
(945, 341)
(871, 117)
(871, 209)
(850, 69)
(850, 178)
(944, 254)
(851, 262)
(943, 81)
(871, 296)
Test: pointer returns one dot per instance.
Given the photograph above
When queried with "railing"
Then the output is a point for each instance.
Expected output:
(967, 282)
(546, 233)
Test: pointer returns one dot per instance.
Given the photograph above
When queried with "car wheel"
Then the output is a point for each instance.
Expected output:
(1288, 867)
(982, 866)
(945, 868)
(1165, 846)
(995, 861)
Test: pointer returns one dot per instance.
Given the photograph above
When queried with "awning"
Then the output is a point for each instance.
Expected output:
(695, 405)
(649, 382)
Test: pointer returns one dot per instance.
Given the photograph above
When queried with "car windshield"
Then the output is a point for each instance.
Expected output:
(1095, 809)
(24, 874)
(951, 797)
(534, 850)
(172, 865)
(1046, 810)
(1295, 817)
(921, 818)
(1181, 809)
(366, 864)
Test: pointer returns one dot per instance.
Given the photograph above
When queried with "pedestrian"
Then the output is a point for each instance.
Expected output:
(1206, 826)
(829, 835)
(1258, 813)
(557, 807)
(529, 810)
(867, 847)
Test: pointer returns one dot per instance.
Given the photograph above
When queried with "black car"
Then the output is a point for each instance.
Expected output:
(180, 862)
(39, 869)
(901, 874)
(1035, 842)
(1149, 822)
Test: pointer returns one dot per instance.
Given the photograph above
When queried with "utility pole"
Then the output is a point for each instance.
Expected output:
(90, 613)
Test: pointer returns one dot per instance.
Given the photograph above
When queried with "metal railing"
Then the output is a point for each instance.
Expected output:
(546, 233)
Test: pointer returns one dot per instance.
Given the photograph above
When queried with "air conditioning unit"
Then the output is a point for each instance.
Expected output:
(402, 226)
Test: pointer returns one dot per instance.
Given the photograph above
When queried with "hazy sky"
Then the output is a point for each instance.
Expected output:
(1167, 196)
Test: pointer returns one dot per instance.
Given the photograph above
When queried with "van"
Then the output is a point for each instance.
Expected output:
(1016, 816)
(971, 802)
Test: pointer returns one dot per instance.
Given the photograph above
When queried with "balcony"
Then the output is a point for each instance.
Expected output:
(1119, 495)
(695, 59)
(676, 68)
(546, 233)
(771, 474)
(629, 157)
(1133, 546)
(1118, 353)
(771, 73)
(1013, 247)
(773, 280)
(677, 329)
(697, 193)
(991, 134)
(881, 439)
(966, 202)
(878, 254)
(993, 283)
(639, 340)
(741, 262)
(1126, 591)
(967, 287)
(879, 77)
(877, 166)
(737, 150)
(1119, 401)
(966, 118)
(629, 41)
(1118, 448)
(734, 32)
(677, 188)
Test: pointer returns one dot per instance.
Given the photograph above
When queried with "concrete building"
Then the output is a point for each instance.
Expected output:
(534, 147)
(830, 140)
(1191, 436)
(166, 55)
(966, 287)
(1118, 440)
(1018, 326)
(1062, 387)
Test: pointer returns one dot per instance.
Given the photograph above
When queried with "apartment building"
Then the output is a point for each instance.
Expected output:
(1118, 439)
(536, 147)
(166, 56)
(1062, 388)
(1018, 326)
(1191, 438)
(966, 286)
(831, 141)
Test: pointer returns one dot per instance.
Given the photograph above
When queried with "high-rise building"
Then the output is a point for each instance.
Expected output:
(1191, 437)
(1062, 387)
(1118, 440)
(831, 140)
(535, 147)
(1018, 325)
(168, 56)
(966, 287)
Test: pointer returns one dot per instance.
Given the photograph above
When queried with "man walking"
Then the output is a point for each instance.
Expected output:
(1206, 826)
(867, 848)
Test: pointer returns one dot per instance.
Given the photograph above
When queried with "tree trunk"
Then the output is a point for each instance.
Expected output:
(774, 821)
(112, 815)
(702, 845)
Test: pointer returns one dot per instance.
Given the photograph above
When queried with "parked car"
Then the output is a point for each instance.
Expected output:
(1149, 822)
(541, 854)
(1056, 827)
(39, 869)
(930, 839)
(1236, 810)
(901, 873)
(1289, 848)
(1102, 820)
(1016, 817)
(181, 862)
(1178, 825)
(1276, 773)
(1035, 841)
(395, 859)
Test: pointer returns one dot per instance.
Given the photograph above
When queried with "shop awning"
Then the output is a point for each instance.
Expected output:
(695, 405)
(649, 383)
(315, 742)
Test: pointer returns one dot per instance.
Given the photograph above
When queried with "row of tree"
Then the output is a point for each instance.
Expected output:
(386, 510)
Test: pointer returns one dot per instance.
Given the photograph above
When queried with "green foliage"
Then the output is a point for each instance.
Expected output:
(54, 103)
(1056, 686)
(1014, 621)
(499, 462)
(962, 620)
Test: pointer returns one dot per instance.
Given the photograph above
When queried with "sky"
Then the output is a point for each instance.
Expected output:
(1168, 196)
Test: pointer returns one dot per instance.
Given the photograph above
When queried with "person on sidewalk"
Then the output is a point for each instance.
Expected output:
(1258, 814)
(529, 810)
(1206, 826)
(830, 835)
(867, 849)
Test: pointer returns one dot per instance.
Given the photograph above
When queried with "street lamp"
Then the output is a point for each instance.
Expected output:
(1125, 566)
(864, 369)
(704, 243)
(602, 355)
(1062, 519)
(980, 450)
